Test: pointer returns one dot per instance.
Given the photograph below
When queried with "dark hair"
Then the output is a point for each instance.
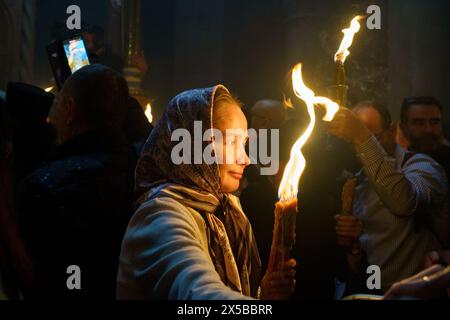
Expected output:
(101, 94)
(409, 101)
(27, 105)
(386, 119)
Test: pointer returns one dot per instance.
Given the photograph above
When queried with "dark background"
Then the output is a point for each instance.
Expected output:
(251, 45)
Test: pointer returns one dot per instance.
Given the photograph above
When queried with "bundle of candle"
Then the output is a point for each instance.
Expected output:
(286, 209)
(348, 191)
(283, 234)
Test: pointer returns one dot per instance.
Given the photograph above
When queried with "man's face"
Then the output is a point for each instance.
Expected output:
(423, 127)
(372, 120)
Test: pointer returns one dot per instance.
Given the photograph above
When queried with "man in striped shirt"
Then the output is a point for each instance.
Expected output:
(396, 196)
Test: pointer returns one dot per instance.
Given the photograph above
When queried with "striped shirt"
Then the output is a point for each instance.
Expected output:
(390, 195)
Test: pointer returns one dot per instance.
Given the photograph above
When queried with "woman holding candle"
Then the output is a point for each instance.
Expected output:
(189, 238)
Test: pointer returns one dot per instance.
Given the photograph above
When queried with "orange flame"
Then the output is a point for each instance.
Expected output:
(49, 89)
(349, 33)
(287, 103)
(148, 113)
(294, 169)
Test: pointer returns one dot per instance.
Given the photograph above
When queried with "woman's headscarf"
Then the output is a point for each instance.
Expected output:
(231, 242)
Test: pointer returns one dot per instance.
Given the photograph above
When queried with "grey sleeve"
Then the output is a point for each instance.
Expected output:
(162, 258)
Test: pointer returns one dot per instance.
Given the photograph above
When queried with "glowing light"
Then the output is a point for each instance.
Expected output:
(148, 113)
(49, 89)
(294, 169)
(347, 41)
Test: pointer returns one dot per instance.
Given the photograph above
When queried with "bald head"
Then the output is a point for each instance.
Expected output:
(267, 114)
(94, 97)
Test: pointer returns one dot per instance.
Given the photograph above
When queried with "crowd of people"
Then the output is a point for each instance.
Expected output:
(98, 190)
(400, 218)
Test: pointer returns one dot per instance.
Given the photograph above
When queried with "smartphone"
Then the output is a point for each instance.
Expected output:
(76, 54)
(67, 57)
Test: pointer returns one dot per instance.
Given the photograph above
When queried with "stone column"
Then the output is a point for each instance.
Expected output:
(115, 34)
(17, 40)
(6, 43)
(131, 19)
(27, 41)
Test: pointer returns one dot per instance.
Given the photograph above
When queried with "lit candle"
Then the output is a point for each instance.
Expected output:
(286, 209)
(340, 78)
(283, 234)
(347, 40)
(340, 57)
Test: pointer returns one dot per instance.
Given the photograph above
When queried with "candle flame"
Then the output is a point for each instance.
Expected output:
(294, 169)
(349, 33)
(148, 113)
(49, 89)
(287, 103)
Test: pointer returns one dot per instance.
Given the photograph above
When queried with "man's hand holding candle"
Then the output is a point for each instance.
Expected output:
(348, 226)
(346, 125)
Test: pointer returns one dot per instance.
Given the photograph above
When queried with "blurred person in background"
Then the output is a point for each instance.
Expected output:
(75, 207)
(16, 273)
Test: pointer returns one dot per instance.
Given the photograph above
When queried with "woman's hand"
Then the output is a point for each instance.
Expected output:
(279, 285)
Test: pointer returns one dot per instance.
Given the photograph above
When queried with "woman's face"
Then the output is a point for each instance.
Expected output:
(231, 121)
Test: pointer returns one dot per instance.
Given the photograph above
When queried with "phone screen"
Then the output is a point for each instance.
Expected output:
(76, 53)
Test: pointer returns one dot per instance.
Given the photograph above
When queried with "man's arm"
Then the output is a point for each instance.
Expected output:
(422, 182)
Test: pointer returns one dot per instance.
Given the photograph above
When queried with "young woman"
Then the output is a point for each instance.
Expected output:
(189, 238)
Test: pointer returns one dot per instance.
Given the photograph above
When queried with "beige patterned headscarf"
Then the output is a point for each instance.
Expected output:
(231, 242)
